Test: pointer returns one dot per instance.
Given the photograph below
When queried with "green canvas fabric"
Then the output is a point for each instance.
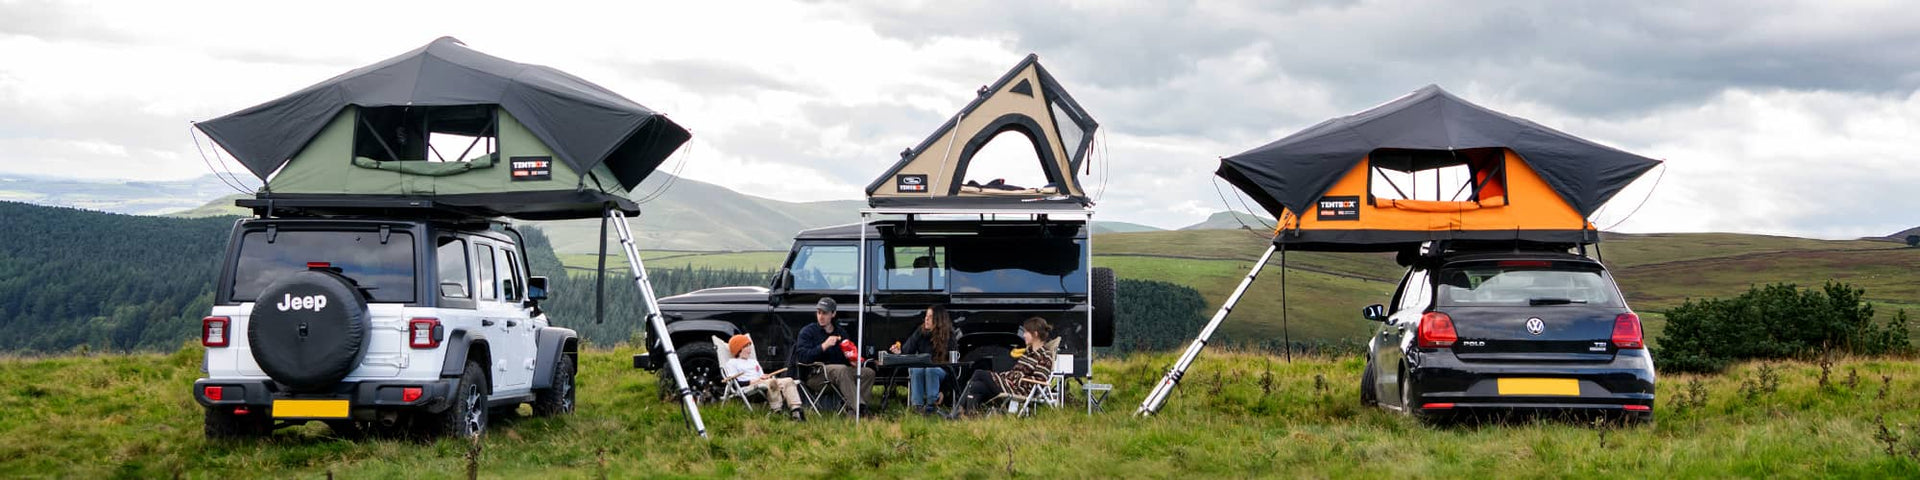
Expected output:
(426, 168)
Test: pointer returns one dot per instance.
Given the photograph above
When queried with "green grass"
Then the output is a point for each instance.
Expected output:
(1656, 271)
(131, 416)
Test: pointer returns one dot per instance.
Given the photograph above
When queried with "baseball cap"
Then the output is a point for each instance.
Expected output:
(827, 305)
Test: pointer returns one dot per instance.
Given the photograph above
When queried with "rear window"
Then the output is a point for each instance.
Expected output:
(1025, 265)
(386, 269)
(1525, 283)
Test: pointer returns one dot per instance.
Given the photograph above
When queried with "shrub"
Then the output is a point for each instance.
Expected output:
(1776, 321)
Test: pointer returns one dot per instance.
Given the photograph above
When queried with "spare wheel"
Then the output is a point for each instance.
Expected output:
(308, 330)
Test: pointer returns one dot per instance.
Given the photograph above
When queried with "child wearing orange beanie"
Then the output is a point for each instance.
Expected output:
(783, 395)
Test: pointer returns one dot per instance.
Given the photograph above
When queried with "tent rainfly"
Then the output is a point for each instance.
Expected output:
(1026, 100)
(459, 128)
(1343, 185)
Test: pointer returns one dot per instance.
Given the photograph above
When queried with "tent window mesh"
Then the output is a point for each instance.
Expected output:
(432, 134)
(1472, 175)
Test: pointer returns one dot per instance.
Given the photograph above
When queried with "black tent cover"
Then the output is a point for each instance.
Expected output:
(585, 124)
(1293, 172)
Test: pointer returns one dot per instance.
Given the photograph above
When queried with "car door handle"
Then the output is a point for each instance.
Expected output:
(512, 323)
(486, 323)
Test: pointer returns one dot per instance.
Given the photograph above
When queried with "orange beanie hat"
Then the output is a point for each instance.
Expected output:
(737, 343)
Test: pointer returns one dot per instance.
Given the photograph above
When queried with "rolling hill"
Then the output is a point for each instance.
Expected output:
(136, 198)
(1232, 221)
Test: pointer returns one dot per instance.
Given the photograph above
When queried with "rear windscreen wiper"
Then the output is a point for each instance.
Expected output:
(1552, 301)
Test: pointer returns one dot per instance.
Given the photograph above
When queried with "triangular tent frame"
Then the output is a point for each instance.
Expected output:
(1026, 100)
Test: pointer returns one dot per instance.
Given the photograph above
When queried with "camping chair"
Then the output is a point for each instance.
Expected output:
(730, 386)
(1036, 391)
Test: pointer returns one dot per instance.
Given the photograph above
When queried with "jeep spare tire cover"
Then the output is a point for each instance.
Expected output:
(308, 330)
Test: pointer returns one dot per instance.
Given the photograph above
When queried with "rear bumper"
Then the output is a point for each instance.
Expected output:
(363, 398)
(1441, 384)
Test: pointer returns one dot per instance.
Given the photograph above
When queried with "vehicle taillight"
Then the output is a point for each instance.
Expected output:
(424, 332)
(1626, 331)
(213, 331)
(410, 394)
(1436, 331)
(319, 265)
(215, 393)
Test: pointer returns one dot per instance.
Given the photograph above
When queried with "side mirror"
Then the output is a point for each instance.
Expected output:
(1374, 312)
(782, 280)
(536, 288)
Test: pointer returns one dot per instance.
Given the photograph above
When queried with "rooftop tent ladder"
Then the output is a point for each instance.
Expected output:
(1524, 184)
(1026, 100)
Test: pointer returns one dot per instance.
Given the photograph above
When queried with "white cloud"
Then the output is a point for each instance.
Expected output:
(1786, 117)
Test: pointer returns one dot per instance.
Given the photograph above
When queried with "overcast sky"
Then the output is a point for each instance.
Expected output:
(1774, 117)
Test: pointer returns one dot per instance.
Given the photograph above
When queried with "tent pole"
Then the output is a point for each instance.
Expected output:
(600, 278)
(1158, 397)
(1286, 334)
(860, 318)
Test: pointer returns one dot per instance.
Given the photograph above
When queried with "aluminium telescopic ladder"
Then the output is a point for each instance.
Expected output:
(1158, 397)
(655, 320)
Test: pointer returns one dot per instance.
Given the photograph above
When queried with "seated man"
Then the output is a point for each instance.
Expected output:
(782, 397)
(820, 342)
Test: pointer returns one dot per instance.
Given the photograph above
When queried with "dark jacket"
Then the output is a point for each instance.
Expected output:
(922, 342)
(806, 347)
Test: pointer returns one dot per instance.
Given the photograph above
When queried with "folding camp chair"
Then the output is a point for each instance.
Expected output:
(730, 386)
(804, 371)
(1037, 392)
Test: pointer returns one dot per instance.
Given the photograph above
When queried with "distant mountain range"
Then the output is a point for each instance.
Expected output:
(135, 198)
(1233, 221)
(691, 215)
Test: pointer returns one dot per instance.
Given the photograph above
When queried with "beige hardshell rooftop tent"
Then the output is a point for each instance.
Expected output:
(1026, 100)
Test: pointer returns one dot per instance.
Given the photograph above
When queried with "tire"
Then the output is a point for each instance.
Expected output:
(1104, 289)
(701, 363)
(309, 346)
(1368, 397)
(467, 417)
(558, 399)
(222, 424)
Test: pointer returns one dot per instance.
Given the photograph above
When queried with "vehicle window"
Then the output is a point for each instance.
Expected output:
(1524, 284)
(454, 275)
(1414, 294)
(1023, 265)
(913, 267)
(386, 269)
(509, 276)
(1393, 304)
(826, 267)
(489, 285)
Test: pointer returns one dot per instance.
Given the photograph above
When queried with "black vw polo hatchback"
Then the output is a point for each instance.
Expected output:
(1479, 331)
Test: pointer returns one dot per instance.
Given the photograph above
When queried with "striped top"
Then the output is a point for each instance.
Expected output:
(1037, 365)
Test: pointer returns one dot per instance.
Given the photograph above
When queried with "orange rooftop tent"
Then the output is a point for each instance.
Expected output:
(1366, 182)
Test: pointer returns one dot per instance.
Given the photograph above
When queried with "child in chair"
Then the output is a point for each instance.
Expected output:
(782, 393)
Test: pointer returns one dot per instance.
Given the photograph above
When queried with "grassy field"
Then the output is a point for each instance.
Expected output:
(1238, 415)
(1656, 271)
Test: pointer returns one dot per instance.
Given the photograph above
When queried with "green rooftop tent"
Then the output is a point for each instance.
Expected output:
(522, 141)
(546, 144)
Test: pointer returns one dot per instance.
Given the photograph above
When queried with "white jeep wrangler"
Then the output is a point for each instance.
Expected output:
(379, 325)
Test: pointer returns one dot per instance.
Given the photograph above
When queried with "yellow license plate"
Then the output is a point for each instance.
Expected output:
(1539, 386)
(310, 409)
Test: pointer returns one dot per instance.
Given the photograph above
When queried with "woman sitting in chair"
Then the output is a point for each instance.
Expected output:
(743, 369)
(1034, 368)
(934, 338)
